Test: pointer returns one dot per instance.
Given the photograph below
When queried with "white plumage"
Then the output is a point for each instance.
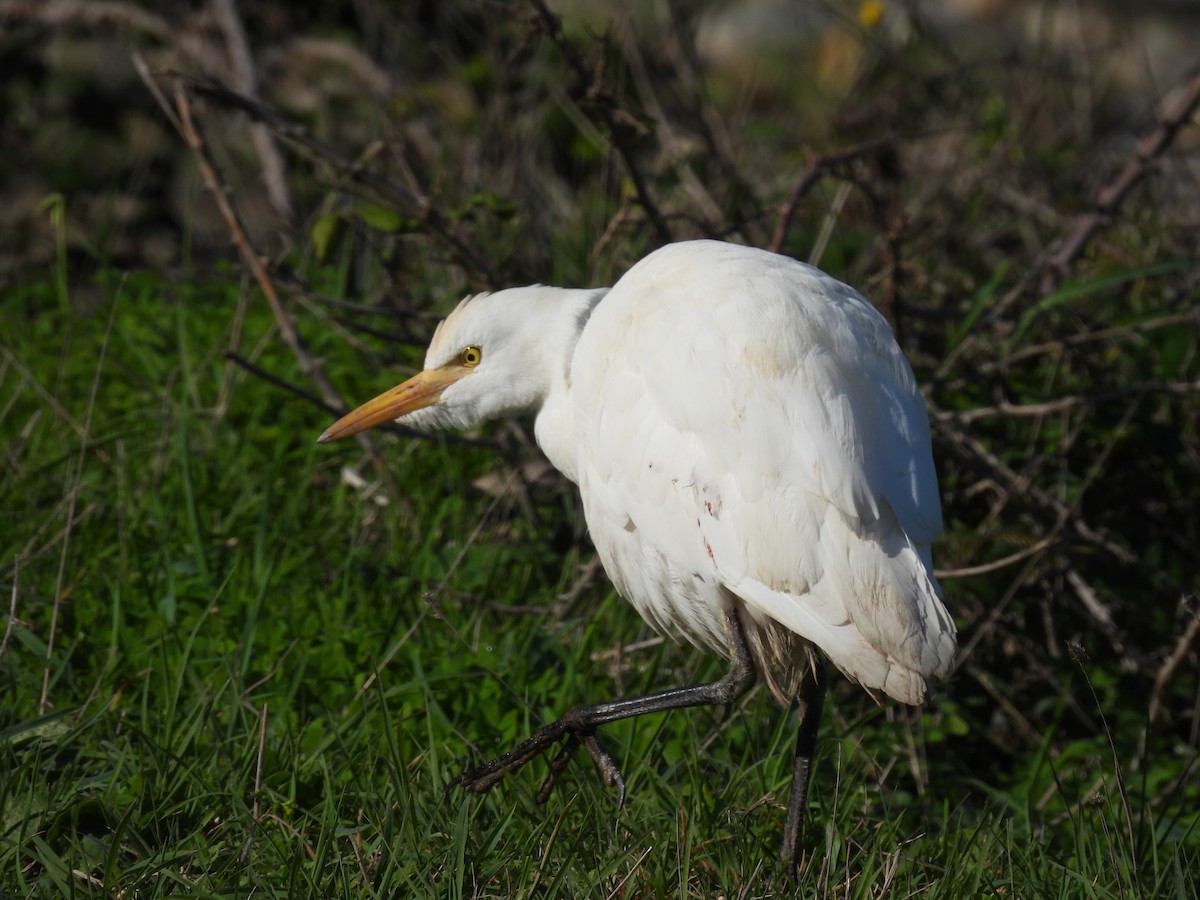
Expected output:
(747, 438)
(747, 431)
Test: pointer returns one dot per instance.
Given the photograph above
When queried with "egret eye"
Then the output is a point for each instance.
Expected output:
(470, 356)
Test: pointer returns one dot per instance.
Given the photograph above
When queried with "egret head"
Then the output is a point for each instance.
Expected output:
(494, 355)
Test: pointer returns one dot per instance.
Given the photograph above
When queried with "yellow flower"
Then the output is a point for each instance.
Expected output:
(870, 13)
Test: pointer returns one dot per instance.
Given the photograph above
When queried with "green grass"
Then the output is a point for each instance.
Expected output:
(230, 675)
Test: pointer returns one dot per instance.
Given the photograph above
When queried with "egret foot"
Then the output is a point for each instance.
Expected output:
(579, 725)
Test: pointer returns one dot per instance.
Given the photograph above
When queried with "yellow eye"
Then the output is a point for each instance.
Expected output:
(470, 356)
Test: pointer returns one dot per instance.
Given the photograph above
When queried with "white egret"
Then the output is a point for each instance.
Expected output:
(755, 466)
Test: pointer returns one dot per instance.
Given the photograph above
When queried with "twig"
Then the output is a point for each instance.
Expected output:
(73, 494)
(1062, 404)
(616, 120)
(1014, 714)
(1122, 790)
(340, 409)
(806, 182)
(56, 13)
(276, 665)
(712, 128)
(309, 365)
(619, 891)
(12, 609)
(246, 81)
(1101, 615)
(974, 451)
(1053, 267)
(38, 388)
(88, 878)
(1170, 665)
(828, 222)
(409, 204)
(255, 812)
(621, 651)
(809, 178)
(1002, 563)
(1119, 332)
(257, 371)
(392, 651)
(674, 148)
(1179, 110)
(94, 14)
(28, 549)
(587, 575)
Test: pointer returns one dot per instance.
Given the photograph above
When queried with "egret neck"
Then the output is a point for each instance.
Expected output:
(555, 426)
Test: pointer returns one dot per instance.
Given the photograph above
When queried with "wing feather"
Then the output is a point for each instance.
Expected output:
(748, 426)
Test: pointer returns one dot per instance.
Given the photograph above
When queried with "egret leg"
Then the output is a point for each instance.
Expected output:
(578, 727)
(810, 700)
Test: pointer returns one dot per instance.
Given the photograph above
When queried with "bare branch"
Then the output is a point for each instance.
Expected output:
(309, 365)
(1101, 615)
(1062, 404)
(1170, 666)
(616, 120)
(975, 452)
(185, 41)
(1002, 563)
(809, 178)
(1053, 267)
(1183, 102)
(413, 206)
(673, 146)
(12, 608)
(246, 81)
(271, 378)
(255, 810)
(56, 13)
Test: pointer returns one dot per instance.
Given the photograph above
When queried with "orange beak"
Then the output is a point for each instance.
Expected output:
(423, 389)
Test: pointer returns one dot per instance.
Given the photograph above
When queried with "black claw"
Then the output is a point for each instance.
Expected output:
(620, 786)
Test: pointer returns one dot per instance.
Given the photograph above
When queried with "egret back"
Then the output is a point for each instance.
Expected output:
(750, 434)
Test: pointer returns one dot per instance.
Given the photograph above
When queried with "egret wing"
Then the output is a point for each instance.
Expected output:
(748, 427)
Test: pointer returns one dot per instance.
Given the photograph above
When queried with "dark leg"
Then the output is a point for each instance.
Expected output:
(809, 702)
(578, 726)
